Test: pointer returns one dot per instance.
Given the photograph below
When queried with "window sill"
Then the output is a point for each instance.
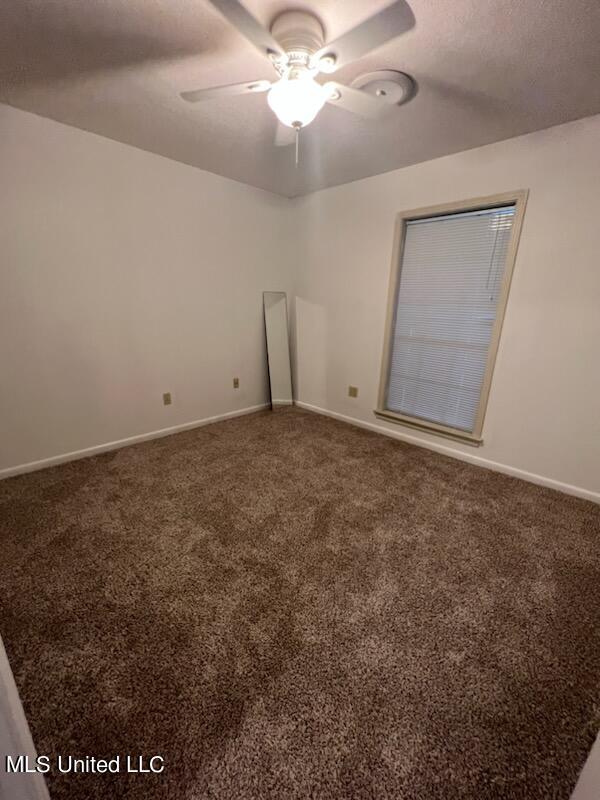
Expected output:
(432, 428)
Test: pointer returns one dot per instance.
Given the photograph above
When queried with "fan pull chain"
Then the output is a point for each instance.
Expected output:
(297, 129)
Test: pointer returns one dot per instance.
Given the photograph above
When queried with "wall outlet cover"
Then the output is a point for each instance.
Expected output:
(236, 383)
(167, 399)
(353, 391)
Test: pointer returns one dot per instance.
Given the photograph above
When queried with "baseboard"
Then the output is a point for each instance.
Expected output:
(53, 461)
(531, 477)
(541, 480)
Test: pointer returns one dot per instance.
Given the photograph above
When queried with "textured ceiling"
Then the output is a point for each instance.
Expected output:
(486, 70)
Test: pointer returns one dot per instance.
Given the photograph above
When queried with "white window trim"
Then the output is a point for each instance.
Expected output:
(519, 198)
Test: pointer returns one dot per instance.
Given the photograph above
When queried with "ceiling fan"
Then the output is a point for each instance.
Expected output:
(296, 47)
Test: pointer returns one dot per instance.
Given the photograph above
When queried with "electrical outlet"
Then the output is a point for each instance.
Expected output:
(353, 391)
(167, 399)
(236, 383)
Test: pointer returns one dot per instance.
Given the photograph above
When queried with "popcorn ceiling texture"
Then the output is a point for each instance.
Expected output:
(486, 71)
(284, 606)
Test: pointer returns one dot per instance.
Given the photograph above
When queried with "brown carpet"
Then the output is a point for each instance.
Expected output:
(284, 606)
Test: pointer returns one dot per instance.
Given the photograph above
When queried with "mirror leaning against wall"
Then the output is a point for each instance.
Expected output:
(278, 348)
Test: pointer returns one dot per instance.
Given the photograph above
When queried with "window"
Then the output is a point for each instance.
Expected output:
(449, 286)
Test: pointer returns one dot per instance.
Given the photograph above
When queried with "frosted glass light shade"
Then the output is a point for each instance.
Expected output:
(296, 101)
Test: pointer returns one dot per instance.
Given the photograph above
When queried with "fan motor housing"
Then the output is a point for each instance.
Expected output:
(298, 32)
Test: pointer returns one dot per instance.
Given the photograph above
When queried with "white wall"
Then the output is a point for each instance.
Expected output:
(543, 414)
(15, 741)
(124, 275)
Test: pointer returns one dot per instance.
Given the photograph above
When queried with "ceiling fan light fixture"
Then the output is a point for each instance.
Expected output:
(296, 101)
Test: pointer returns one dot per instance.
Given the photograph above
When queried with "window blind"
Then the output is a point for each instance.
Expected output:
(450, 278)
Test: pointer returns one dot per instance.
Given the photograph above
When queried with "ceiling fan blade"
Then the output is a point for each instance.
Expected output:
(284, 136)
(239, 16)
(230, 89)
(357, 101)
(389, 23)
